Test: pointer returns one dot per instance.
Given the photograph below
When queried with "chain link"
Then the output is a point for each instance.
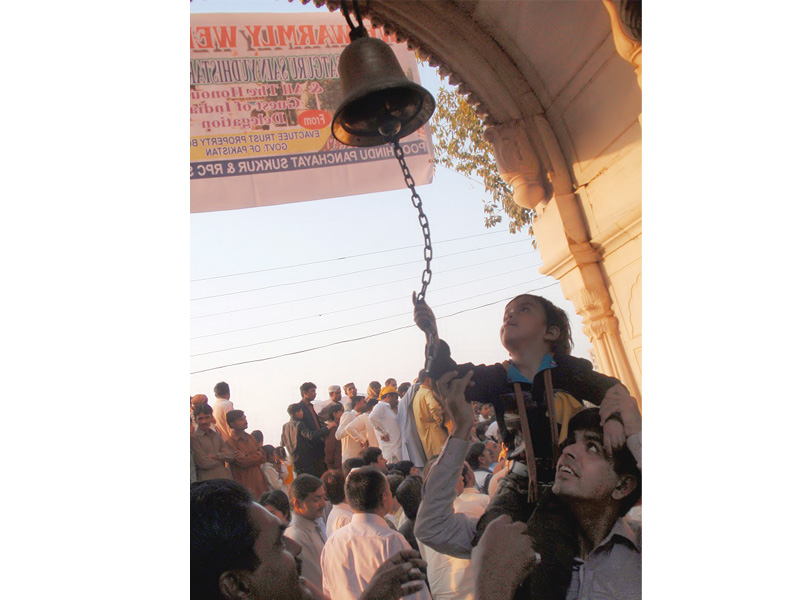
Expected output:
(423, 220)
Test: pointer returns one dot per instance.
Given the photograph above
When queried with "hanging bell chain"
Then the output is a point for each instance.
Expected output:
(423, 220)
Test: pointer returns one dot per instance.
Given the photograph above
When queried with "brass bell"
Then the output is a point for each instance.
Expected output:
(380, 103)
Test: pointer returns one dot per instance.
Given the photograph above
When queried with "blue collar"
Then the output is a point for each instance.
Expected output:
(514, 376)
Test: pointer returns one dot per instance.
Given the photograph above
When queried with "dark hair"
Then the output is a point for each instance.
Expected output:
(386, 383)
(405, 466)
(403, 388)
(307, 386)
(279, 500)
(222, 535)
(623, 460)
(409, 495)
(304, 485)
(222, 389)
(258, 435)
(233, 415)
(370, 455)
(203, 409)
(293, 408)
(269, 450)
(554, 317)
(631, 16)
(480, 429)
(394, 482)
(350, 464)
(335, 408)
(365, 488)
(371, 403)
(474, 453)
(333, 481)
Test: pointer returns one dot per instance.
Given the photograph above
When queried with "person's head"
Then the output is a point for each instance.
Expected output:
(197, 400)
(359, 404)
(409, 495)
(308, 391)
(535, 320)
(367, 491)
(295, 410)
(204, 417)
(221, 390)
(237, 547)
(269, 452)
(258, 435)
(467, 479)
(478, 456)
(391, 382)
(350, 464)
(374, 389)
(486, 410)
(277, 502)
(373, 457)
(403, 388)
(350, 389)
(236, 420)
(493, 448)
(335, 393)
(308, 496)
(587, 475)
(333, 482)
(281, 452)
(389, 394)
(337, 410)
(371, 403)
(394, 482)
(407, 468)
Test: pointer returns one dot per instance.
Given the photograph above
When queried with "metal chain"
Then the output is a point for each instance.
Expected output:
(423, 220)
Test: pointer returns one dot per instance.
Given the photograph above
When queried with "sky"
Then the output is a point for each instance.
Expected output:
(322, 289)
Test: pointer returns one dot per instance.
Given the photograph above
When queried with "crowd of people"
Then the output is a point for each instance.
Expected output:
(488, 482)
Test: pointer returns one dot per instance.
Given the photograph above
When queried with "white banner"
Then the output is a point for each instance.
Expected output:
(264, 88)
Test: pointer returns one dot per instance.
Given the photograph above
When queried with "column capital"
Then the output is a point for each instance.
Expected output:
(519, 164)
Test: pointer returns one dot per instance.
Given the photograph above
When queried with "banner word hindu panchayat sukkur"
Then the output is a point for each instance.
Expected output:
(264, 88)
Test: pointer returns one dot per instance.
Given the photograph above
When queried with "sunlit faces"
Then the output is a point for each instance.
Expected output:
(525, 320)
(310, 394)
(350, 390)
(585, 471)
(204, 422)
(276, 575)
(336, 395)
(313, 505)
(380, 464)
(239, 424)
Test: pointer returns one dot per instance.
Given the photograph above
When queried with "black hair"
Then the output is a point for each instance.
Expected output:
(222, 535)
(304, 485)
(293, 408)
(370, 455)
(352, 463)
(394, 482)
(371, 403)
(336, 407)
(409, 495)
(269, 449)
(258, 434)
(403, 388)
(233, 415)
(279, 500)
(307, 386)
(405, 466)
(333, 481)
(365, 488)
(203, 409)
(222, 389)
(554, 317)
(474, 453)
(623, 460)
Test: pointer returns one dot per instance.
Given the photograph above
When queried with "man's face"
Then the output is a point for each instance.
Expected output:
(392, 383)
(380, 464)
(486, 458)
(313, 506)
(391, 399)
(486, 411)
(350, 390)
(310, 394)
(584, 470)
(276, 575)
(204, 422)
(524, 320)
(336, 396)
(239, 424)
(360, 406)
(494, 450)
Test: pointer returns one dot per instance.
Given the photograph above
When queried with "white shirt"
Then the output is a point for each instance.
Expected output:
(340, 515)
(386, 422)
(353, 554)
(361, 430)
(453, 578)
(350, 446)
